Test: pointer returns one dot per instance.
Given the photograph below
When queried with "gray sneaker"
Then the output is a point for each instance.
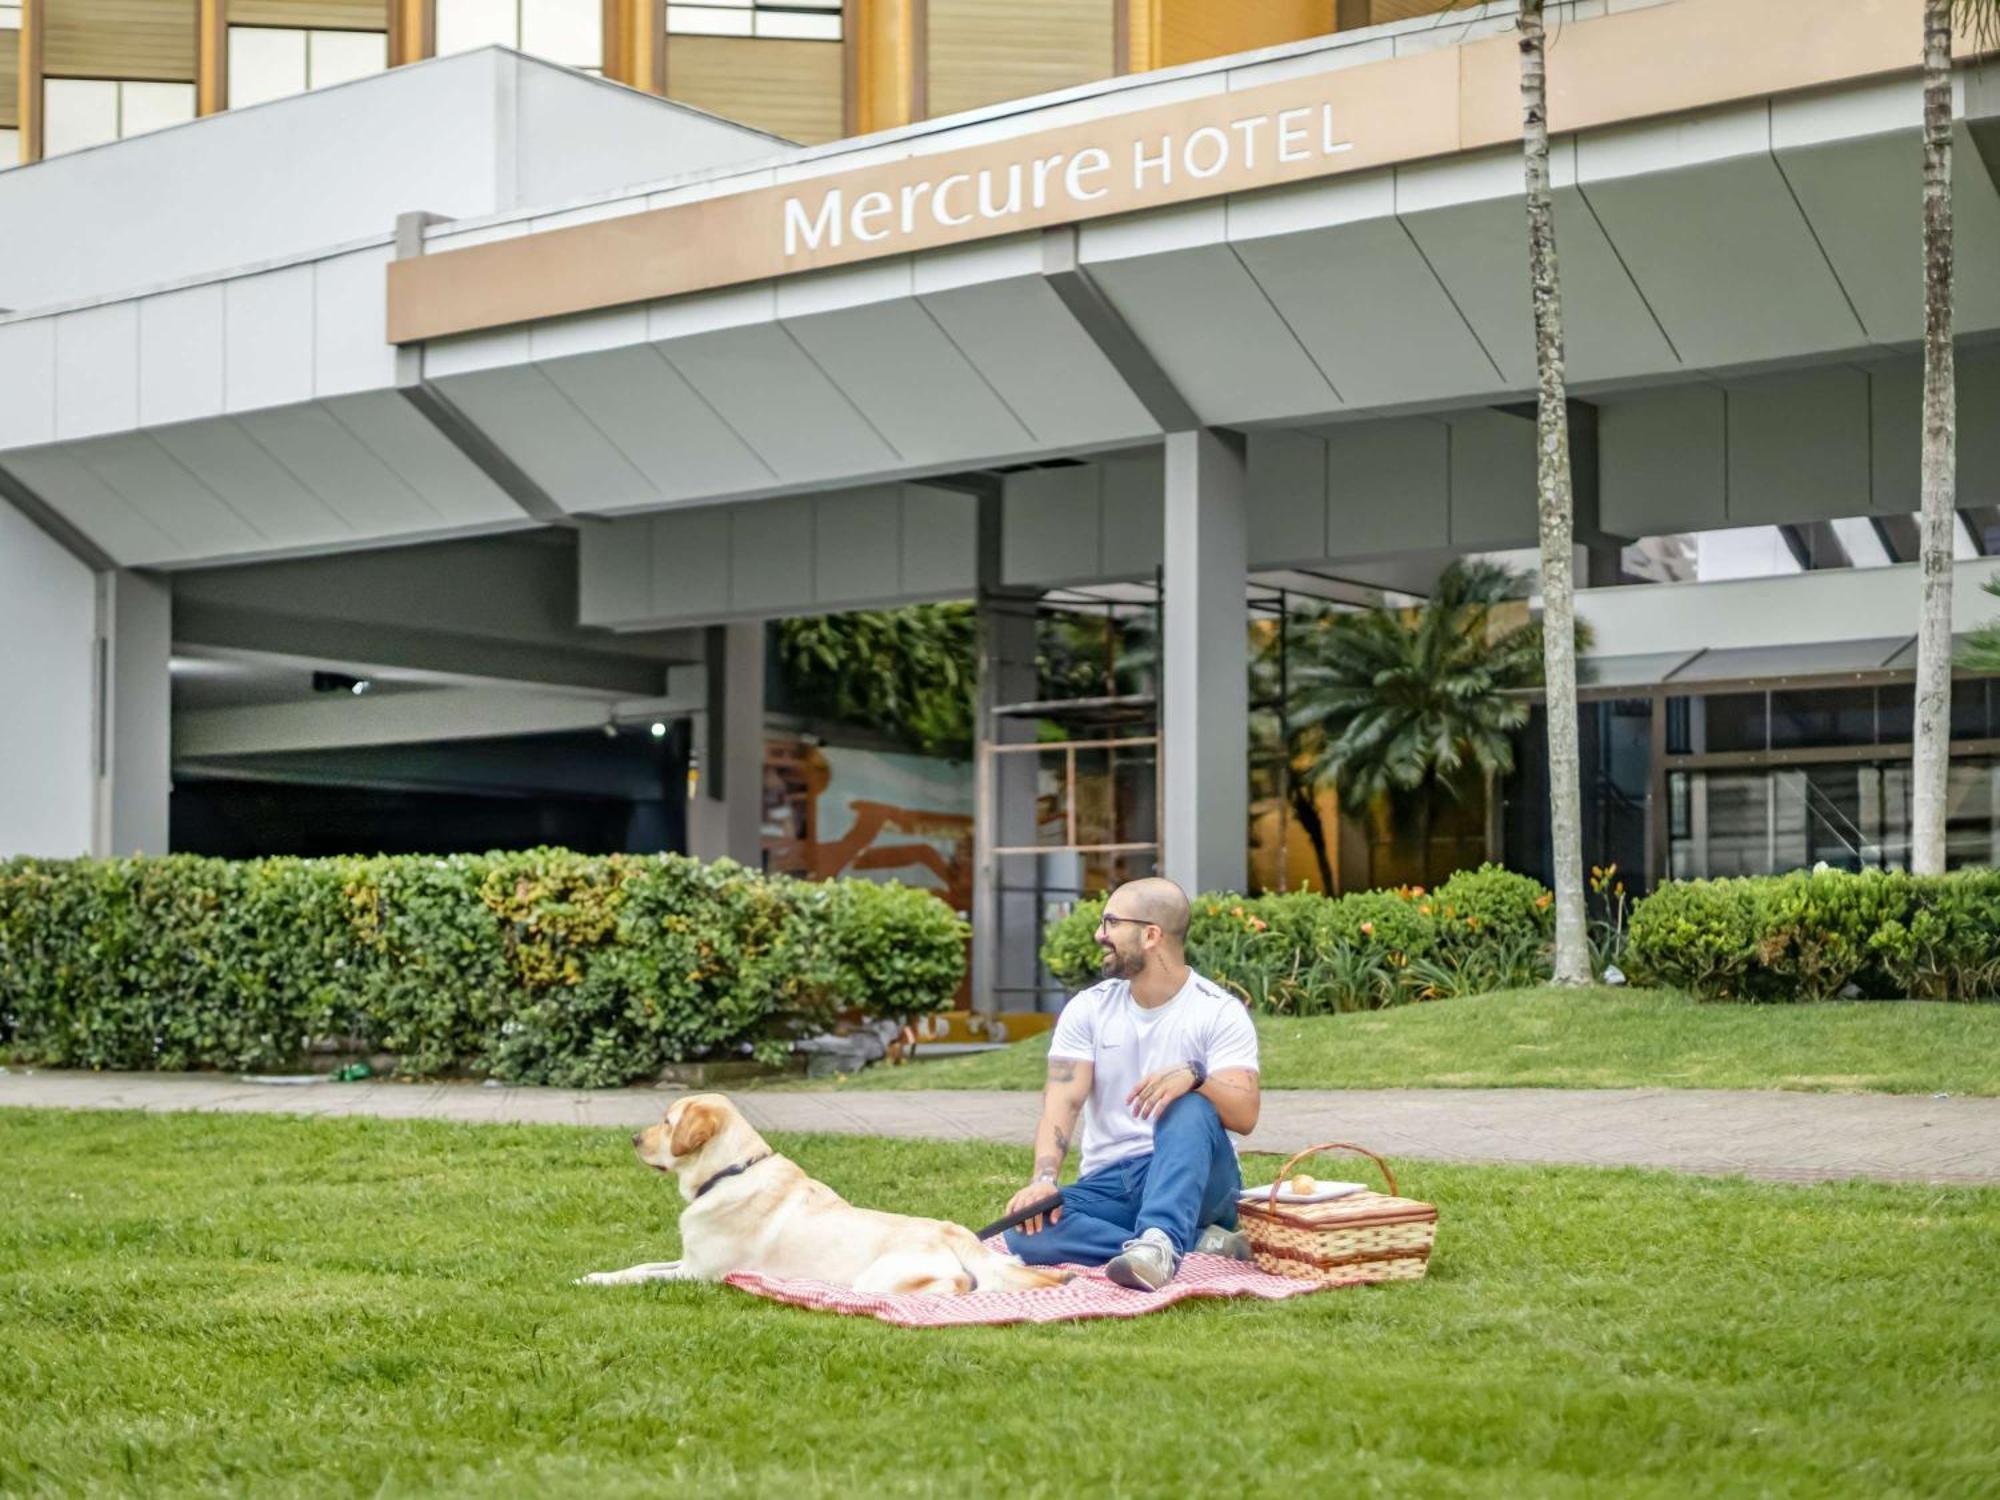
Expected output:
(1149, 1262)
(1230, 1244)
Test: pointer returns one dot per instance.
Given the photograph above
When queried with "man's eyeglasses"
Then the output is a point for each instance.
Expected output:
(1107, 920)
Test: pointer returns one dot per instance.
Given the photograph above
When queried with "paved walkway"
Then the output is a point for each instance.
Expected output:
(1785, 1136)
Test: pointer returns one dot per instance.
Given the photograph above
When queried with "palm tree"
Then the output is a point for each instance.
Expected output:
(1931, 751)
(1553, 505)
(1407, 703)
(1981, 652)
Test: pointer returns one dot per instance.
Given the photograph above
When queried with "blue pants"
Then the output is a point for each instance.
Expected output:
(1188, 1181)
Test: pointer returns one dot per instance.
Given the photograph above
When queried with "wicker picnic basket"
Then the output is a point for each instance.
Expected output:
(1362, 1237)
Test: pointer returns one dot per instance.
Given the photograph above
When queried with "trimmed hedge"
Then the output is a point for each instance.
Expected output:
(1305, 954)
(1813, 935)
(1822, 934)
(536, 967)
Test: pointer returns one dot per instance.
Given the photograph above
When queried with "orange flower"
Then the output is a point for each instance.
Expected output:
(1368, 929)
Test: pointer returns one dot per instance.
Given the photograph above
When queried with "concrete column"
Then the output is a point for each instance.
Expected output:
(1204, 689)
(47, 650)
(726, 818)
(134, 711)
(1005, 892)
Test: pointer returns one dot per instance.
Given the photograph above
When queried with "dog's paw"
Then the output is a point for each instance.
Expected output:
(597, 1278)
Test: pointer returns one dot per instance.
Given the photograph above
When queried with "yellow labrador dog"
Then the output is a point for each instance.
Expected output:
(752, 1210)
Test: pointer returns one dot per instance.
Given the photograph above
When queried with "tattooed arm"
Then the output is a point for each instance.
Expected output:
(1062, 1103)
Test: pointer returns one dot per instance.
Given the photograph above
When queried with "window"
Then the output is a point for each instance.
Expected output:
(275, 62)
(570, 32)
(10, 148)
(793, 20)
(81, 112)
(10, 18)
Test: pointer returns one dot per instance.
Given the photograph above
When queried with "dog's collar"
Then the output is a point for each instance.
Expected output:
(741, 1166)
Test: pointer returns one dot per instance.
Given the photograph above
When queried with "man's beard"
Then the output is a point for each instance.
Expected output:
(1119, 966)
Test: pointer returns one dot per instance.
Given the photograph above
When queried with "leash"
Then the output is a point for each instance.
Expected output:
(1021, 1216)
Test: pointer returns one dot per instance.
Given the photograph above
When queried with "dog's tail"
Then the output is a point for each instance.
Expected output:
(1001, 1273)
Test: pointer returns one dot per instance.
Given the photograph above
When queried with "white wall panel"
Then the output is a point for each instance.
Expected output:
(940, 543)
(1798, 447)
(1042, 364)
(783, 405)
(1388, 486)
(268, 339)
(198, 521)
(356, 485)
(90, 505)
(1895, 408)
(27, 383)
(658, 424)
(771, 546)
(1661, 461)
(1204, 318)
(1723, 255)
(690, 563)
(1131, 515)
(893, 362)
(245, 474)
(350, 310)
(180, 356)
(97, 370)
(1288, 476)
(1052, 525)
(1492, 479)
(1372, 314)
(48, 616)
(449, 484)
(857, 554)
(549, 438)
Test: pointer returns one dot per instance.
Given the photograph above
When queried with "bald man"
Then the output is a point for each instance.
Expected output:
(1162, 1064)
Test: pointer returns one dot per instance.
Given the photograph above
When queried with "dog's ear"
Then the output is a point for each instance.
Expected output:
(695, 1128)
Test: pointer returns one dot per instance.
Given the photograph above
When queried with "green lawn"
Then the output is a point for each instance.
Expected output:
(1601, 1039)
(208, 1305)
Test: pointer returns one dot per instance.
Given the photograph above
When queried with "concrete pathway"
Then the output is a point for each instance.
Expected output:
(1784, 1136)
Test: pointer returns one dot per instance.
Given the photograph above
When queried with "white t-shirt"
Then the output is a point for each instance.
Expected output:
(1125, 1042)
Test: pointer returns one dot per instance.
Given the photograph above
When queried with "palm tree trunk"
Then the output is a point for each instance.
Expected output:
(1931, 752)
(1307, 812)
(1553, 507)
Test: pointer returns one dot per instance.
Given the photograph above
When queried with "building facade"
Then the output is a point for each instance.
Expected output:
(432, 416)
(77, 73)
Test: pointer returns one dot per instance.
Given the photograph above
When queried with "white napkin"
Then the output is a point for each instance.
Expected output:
(1322, 1192)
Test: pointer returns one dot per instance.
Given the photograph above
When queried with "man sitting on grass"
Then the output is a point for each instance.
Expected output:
(1167, 1063)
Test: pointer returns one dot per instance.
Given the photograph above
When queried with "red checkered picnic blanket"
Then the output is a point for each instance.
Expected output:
(1090, 1295)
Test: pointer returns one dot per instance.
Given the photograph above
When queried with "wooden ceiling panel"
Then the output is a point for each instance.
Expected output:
(312, 15)
(791, 88)
(151, 40)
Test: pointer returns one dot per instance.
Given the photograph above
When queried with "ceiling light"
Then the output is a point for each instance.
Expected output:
(659, 730)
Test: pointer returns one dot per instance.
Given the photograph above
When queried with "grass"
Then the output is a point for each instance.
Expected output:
(1600, 1039)
(217, 1304)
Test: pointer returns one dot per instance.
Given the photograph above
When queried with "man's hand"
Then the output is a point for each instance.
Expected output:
(1034, 1192)
(1156, 1091)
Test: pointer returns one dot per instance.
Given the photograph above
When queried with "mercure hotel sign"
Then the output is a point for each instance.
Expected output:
(1226, 142)
(1067, 182)
(834, 210)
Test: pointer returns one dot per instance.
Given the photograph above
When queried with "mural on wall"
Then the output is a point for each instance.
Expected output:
(875, 814)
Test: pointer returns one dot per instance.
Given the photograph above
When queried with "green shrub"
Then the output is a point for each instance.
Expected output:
(1301, 953)
(538, 967)
(1815, 935)
(1489, 904)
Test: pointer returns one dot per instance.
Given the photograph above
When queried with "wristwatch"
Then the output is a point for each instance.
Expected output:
(1194, 1066)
